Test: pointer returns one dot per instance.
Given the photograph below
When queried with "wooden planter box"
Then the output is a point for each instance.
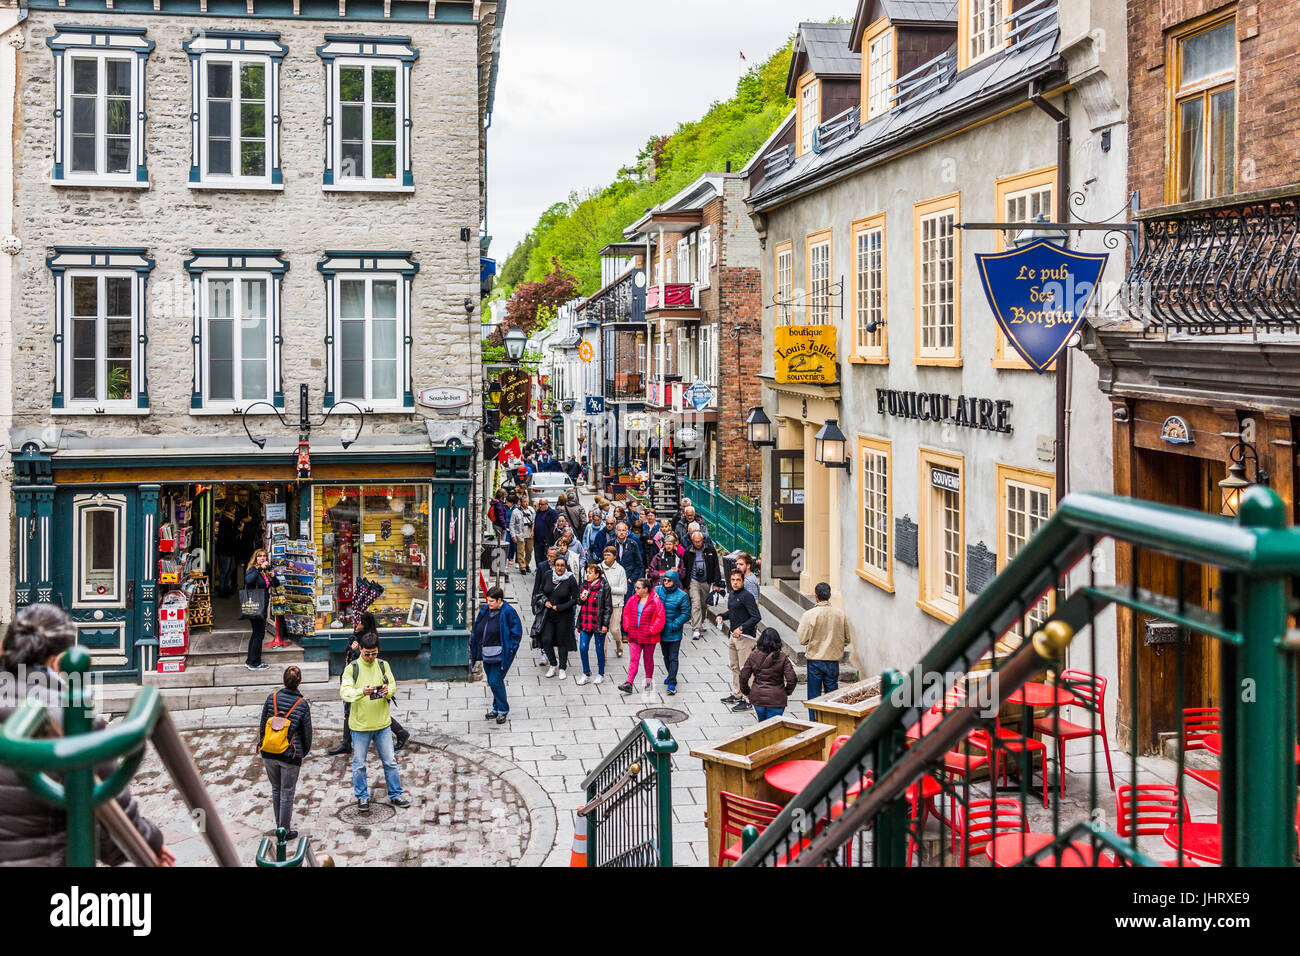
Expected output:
(845, 708)
(737, 763)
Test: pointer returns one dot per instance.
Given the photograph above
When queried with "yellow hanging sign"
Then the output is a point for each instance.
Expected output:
(805, 354)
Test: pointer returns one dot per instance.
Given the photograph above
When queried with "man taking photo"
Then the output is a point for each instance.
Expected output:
(368, 686)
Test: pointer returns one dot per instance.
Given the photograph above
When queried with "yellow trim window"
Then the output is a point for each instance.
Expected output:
(818, 261)
(879, 67)
(876, 512)
(1204, 112)
(942, 545)
(937, 254)
(784, 281)
(809, 97)
(869, 288)
(1025, 500)
(1021, 198)
(983, 29)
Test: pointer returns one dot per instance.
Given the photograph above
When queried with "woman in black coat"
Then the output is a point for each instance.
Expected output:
(559, 597)
(258, 577)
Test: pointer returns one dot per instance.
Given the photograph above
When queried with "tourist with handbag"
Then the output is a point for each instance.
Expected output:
(255, 603)
(284, 738)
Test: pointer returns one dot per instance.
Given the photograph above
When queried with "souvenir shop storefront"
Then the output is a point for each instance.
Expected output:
(109, 532)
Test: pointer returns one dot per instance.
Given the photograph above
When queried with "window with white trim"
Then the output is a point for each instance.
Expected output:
(936, 243)
(784, 282)
(99, 551)
(99, 331)
(368, 112)
(942, 570)
(880, 74)
(985, 27)
(705, 258)
(874, 481)
(809, 112)
(1026, 499)
(99, 77)
(869, 286)
(819, 280)
(688, 356)
(683, 260)
(368, 345)
(708, 355)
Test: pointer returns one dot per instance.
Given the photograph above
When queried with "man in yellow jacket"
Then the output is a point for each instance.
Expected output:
(368, 686)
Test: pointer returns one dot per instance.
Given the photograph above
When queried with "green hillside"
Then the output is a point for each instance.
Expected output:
(575, 230)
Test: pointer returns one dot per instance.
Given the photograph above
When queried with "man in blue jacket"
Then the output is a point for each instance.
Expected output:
(495, 641)
(629, 552)
(677, 611)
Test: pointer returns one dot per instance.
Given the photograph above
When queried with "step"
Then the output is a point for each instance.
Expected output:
(228, 675)
(773, 603)
(116, 699)
(275, 656)
(791, 592)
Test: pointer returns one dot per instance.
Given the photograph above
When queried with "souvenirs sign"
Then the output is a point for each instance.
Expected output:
(1039, 295)
(805, 354)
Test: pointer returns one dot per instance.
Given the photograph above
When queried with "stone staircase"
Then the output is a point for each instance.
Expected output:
(215, 676)
(781, 606)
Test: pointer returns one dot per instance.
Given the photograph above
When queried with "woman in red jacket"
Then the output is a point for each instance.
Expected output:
(643, 624)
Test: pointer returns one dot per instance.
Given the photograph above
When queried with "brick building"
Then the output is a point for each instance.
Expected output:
(1200, 356)
(703, 315)
(221, 210)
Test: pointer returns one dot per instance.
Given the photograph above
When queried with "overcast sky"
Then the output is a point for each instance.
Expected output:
(584, 84)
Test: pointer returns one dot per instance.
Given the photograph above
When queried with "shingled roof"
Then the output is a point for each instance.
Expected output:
(822, 49)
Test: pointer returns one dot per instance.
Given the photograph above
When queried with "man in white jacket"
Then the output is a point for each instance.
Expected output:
(617, 579)
(521, 530)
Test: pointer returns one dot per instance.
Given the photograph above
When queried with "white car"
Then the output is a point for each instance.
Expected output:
(548, 484)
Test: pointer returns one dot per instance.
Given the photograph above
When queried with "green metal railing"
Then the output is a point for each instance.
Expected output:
(629, 810)
(73, 749)
(735, 523)
(858, 810)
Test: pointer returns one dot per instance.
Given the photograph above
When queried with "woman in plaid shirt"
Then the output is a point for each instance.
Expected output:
(594, 603)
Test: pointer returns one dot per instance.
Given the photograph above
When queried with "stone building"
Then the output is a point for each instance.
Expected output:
(1199, 359)
(869, 202)
(224, 213)
(11, 40)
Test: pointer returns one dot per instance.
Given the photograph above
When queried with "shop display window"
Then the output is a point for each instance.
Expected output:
(373, 546)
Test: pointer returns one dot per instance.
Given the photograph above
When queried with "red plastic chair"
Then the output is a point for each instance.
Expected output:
(975, 826)
(839, 742)
(1149, 809)
(1090, 690)
(1199, 723)
(738, 813)
(1012, 741)
(836, 811)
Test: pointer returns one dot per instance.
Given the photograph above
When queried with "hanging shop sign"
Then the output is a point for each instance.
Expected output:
(595, 404)
(1039, 295)
(516, 388)
(637, 422)
(805, 354)
(586, 351)
(960, 410)
(699, 395)
(446, 396)
(947, 480)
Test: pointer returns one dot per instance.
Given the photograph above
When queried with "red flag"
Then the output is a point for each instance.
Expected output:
(511, 452)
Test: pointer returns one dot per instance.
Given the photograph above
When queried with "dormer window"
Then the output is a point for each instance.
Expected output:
(878, 68)
(983, 29)
(809, 111)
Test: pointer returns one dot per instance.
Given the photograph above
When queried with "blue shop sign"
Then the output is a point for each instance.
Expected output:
(1039, 295)
(595, 404)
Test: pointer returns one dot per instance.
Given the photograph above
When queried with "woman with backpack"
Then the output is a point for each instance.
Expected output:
(668, 558)
(768, 678)
(284, 738)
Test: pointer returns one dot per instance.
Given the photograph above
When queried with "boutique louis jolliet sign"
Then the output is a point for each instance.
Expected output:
(1039, 295)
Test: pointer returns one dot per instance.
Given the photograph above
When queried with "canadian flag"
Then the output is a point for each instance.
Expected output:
(513, 451)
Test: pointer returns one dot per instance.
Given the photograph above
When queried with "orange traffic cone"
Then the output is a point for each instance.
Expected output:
(579, 855)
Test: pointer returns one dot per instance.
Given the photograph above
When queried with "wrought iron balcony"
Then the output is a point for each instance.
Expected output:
(1222, 265)
(623, 300)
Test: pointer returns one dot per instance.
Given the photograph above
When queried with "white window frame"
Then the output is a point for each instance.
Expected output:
(875, 504)
(1014, 534)
(985, 30)
(343, 50)
(819, 279)
(930, 285)
(82, 507)
(934, 537)
(784, 283)
(809, 113)
(880, 73)
(236, 179)
(683, 260)
(401, 322)
(86, 42)
(238, 400)
(869, 287)
(706, 247)
(708, 368)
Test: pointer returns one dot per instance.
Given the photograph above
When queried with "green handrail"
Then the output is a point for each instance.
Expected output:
(657, 740)
(734, 523)
(1258, 553)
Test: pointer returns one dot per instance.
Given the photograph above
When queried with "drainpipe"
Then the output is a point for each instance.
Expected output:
(1063, 361)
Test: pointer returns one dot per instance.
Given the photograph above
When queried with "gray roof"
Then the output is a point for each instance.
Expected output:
(985, 80)
(924, 11)
(827, 48)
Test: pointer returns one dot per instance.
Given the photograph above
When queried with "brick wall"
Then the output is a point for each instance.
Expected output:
(1268, 112)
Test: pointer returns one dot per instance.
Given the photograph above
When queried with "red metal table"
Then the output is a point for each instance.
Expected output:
(1214, 744)
(1201, 841)
(1008, 849)
(1034, 694)
(794, 775)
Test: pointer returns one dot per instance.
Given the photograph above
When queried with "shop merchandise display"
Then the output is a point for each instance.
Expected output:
(294, 596)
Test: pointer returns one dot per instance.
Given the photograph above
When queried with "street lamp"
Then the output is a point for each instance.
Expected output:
(515, 340)
(760, 428)
(830, 447)
(1233, 486)
(1036, 230)
(494, 392)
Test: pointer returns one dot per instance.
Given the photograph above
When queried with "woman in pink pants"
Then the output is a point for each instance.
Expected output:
(643, 624)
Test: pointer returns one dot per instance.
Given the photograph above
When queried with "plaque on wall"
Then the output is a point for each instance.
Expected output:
(981, 567)
(905, 541)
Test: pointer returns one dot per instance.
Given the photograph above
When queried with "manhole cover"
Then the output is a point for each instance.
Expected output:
(669, 715)
(379, 812)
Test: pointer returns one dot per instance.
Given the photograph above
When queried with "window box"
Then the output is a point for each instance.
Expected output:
(99, 96)
(99, 330)
(368, 113)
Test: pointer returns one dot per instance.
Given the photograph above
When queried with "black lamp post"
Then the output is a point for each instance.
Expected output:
(515, 340)
(830, 447)
(305, 425)
(759, 427)
(494, 392)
